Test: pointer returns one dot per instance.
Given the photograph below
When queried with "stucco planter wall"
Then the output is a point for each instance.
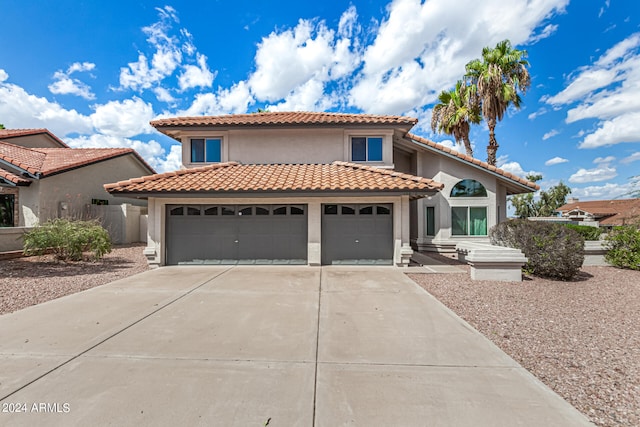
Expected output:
(594, 252)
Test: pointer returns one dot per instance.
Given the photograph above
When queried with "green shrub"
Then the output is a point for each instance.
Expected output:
(68, 239)
(553, 250)
(586, 231)
(623, 247)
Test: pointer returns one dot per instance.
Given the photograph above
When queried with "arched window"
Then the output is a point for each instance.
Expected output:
(469, 188)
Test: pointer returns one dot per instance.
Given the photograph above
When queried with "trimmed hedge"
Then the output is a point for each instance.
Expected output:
(623, 247)
(587, 232)
(67, 239)
(553, 250)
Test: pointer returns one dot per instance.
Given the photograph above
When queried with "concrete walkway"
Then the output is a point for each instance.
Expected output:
(255, 346)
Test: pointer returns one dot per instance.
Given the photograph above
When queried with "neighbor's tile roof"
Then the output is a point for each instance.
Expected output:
(48, 161)
(14, 179)
(607, 212)
(13, 133)
(285, 118)
(474, 161)
(232, 177)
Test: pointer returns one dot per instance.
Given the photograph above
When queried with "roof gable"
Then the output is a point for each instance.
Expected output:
(17, 133)
(525, 184)
(42, 162)
(232, 177)
(608, 212)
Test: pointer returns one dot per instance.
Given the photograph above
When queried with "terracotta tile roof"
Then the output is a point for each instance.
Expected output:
(48, 161)
(232, 177)
(285, 119)
(11, 178)
(13, 133)
(472, 160)
(607, 212)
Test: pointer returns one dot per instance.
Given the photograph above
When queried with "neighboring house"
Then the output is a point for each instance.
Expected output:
(314, 188)
(42, 178)
(607, 213)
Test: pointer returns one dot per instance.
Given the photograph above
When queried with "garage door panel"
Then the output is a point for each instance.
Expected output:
(235, 232)
(357, 233)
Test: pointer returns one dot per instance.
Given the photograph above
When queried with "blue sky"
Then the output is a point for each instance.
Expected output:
(95, 73)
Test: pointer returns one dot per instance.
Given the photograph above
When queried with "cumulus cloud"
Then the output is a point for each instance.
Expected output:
(624, 128)
(20, 109)
(64, 84)
(550, 134)
(632, 158)
(421, 47)
(123, 118)
(151, 151)
(555, 161)
(609, 91)
(233, 100)
(602, 173)
(514, 167)
(196, 75)
(599, 192)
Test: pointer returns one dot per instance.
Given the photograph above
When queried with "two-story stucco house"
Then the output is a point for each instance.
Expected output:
(314, 188)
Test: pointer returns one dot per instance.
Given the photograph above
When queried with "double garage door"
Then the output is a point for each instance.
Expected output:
(276, 234)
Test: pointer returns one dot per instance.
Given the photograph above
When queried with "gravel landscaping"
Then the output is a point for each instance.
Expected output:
(34, 280)
(581, 338)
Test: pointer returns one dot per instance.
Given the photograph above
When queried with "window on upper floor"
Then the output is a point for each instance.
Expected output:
(206, 150)
(366, 148)
(469, 188)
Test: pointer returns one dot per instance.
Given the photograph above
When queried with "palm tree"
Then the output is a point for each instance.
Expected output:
(498, 78)
(458, 108)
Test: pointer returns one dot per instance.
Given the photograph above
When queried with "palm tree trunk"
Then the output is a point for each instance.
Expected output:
(492, 148)
(467, 146)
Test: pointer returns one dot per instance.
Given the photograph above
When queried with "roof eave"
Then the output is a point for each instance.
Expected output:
(515, 184)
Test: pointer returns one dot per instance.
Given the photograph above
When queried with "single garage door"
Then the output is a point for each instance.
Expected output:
(228, 234)
(357, 234)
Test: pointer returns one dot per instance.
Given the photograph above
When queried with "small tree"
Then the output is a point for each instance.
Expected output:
(1, 126)
(546, 205)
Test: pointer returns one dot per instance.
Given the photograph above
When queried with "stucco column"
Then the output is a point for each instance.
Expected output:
(405, 249)
(314, 233)
(154, 233)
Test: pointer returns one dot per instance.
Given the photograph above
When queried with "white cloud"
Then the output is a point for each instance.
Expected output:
(421, 47)
(555, 161)
(151, 151)
(163, 94)
(598, 192)
(3, 75)
(604, 160)
(550, 134)
(632, 158)
(598, 174)
(514, 167)
(123, 119)
(196, 76)
(537, 113)
(543, 34)
(624, 128)
(64, 84)
(234, 100)
(20, 109)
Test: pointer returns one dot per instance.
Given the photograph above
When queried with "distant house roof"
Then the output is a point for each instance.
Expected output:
(285, 119)
(14, 133)
(607, 212)
(232, 177)
(473, 161)
(43, 162)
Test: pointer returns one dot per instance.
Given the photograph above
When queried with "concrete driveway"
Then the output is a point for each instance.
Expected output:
(256, 346)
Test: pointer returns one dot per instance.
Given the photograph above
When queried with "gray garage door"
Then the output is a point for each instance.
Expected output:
(228, 234)
(357, 234)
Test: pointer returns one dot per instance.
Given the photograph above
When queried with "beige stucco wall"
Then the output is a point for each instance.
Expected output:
(42, 199)
(287, 145)
(156, 239)
(450, 172)
(34, 141)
